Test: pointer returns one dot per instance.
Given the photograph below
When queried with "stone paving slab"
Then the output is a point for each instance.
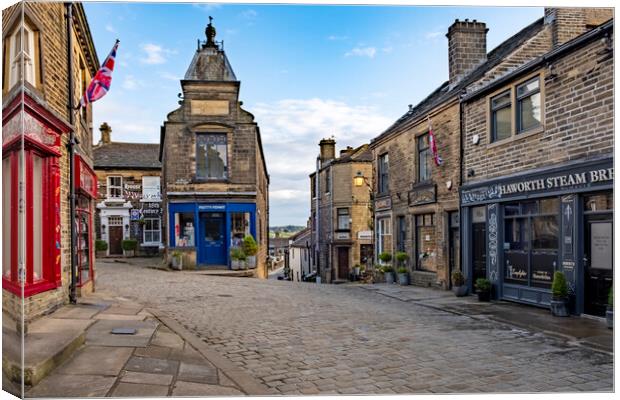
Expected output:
(152, 365)
(100, 333)
(198, 373)
(199, 389)
(146, 378)
(58, 385)
(78, 311)
(139, 390)
(96, 360)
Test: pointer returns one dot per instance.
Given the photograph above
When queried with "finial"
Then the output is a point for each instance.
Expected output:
(210, 32)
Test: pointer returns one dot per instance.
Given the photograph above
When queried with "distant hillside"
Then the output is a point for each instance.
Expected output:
(284, 231)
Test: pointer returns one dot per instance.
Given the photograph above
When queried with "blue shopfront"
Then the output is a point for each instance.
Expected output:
(212, 229)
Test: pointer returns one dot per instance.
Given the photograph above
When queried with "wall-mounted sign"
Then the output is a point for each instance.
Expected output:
(573, 177)
(423, 195)
(342, 235)
(364, 235)
(209, 107)
(134, 214)
(383, 204)
(212, 207)
(601, 245)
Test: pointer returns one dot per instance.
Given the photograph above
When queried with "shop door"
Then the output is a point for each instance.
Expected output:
(454, 245)
(115, 239)
(598, 262)
(366, 255)
(479, 251)
(213, 243)
(343, 263)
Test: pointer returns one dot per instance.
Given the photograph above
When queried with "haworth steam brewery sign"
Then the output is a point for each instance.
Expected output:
(574, 178)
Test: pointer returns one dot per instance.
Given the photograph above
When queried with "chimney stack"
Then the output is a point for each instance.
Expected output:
(106, 130)
(467, 48)
(346, 151)
(568, 23)
(328, 150)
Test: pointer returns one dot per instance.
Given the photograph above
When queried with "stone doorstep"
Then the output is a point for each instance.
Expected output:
(48, 344)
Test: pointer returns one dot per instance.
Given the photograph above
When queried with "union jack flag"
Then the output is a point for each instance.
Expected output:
(431, 138)
(100, 84)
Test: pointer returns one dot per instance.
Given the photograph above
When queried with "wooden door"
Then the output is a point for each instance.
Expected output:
(343, 263)
(116, 237)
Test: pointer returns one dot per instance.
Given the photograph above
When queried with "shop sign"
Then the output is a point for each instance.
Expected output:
(151, 209)
(574, 178)
(364, 235)
(342, 235)
(85, 178)
(212, 207)
(383, 204)
(423, 195)
(601, 245)
(134, 214)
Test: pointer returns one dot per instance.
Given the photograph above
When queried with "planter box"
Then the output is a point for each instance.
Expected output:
(237, 264)
(484, 296)
(100, 253)
(128, 253)
(250, 262)
(403, 279)
(559, 308)
(177, 263)
(609, 316)
(389, 277)
(460, 291)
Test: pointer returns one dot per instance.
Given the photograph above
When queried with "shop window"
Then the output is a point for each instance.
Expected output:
(501, 115)
(344, 220)
(384, 235)
(425, 242)
(531, 242)
(240, 227)
(184, 229)
(402, 233)
(211, 156)
(115, 187)
(383, 168)
(84, 252)
(41, 183)
(598, 202)
(152, 231)
(424, 159)
(528, 105)
(150, 188)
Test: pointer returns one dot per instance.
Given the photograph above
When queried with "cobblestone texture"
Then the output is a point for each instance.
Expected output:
(302, 338)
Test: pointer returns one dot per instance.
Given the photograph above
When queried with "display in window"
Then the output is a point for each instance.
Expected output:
(184, 229)
(240, 228)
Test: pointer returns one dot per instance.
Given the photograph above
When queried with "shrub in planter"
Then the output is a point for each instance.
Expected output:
(609, 314)
(458, 284)
(238, 258)
(559, 295)
(385, 257)
(129, 247)
(388, 273)
(403, 275)
(483, 288)
(401, 257)
(250, 248)
(101, 246)
(177, 260)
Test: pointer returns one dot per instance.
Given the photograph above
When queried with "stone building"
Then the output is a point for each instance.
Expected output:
(36, 107)
(300, 254)
(341, 213)
(215, 182)
(129, 202)
(538, 164)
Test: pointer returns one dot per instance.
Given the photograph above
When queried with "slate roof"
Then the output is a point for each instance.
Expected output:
(361, 153)
(127, 155)
(301, 238)
(444, 92)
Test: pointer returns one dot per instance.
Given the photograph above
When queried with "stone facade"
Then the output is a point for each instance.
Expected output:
(340, 243)
(46, 97)
(211, 110)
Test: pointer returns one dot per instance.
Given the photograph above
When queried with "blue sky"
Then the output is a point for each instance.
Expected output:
(306, 72)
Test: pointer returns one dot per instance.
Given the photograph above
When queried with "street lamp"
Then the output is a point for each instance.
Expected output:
(359, 180)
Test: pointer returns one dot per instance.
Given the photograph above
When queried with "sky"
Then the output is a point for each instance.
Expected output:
(307, 72)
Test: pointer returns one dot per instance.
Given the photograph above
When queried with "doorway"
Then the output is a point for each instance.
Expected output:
(115, 234)
(454, 246)
(212, 239)
(343, 263)
(479, 253)
(598, 262)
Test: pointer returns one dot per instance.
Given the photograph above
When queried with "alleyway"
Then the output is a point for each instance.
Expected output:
(308, 338)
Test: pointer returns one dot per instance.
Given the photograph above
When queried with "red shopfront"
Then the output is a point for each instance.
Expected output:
(85, 194)
(31, 155)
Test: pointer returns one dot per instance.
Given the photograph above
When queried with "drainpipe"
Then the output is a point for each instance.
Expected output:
(71, 148)
(463, 230)
(317, 216)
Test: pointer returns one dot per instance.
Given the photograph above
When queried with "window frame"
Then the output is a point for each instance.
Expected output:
(109, 186)
(515, 134)
(158, 194)
(15, 24)
(426, 150)
(340, 212)
(145, 230)
(519, 101)
(206, 178)
(428, 220)
(383, 173)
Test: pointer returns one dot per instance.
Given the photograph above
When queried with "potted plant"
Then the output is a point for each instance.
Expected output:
(388, 271)
(403, 275)
(559, 295)
(458, 284)
(483, 288)
(129, 247)
(250, 248)
(177, 260)
(238, 258)
(101, 247)
(609, 314)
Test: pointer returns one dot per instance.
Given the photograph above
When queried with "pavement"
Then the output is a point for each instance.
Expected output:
(305, 338)
(74, 352)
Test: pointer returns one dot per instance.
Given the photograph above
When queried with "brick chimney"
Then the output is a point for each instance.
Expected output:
(467, 47)
(328, 149)
(106, 130)
(568, 23)
(346, 151)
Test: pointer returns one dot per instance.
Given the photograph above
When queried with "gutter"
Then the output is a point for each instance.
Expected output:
(543, 60)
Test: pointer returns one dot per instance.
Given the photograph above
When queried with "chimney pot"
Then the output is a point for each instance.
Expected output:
(106, 132)
(328, 149)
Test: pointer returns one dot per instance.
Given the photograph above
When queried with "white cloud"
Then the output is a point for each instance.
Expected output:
(131, 83)
(155, 54)
(291, 130)
(110, 28)
(337, 38)
(169, 76)
(369, 52)
(208, 6)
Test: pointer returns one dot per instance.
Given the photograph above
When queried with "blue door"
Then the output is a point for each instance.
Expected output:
(213, 239)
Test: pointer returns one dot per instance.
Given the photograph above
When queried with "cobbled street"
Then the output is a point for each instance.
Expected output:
(303, 338)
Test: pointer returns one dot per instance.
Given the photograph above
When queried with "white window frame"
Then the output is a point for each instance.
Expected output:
(156, 196)
(384, 228)
(144, 230)
(110, 186)
(15, 57)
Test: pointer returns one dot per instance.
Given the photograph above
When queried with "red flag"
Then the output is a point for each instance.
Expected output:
(100, 84)
(431, 138)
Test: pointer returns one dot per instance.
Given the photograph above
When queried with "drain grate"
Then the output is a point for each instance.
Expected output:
(124, 331)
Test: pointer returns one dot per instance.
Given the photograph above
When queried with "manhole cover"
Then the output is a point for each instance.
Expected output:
(124, 331)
